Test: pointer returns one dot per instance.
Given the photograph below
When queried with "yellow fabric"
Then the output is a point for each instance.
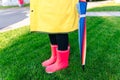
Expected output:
(53, 16)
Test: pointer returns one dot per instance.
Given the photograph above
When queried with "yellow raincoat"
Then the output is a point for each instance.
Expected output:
(53, 16)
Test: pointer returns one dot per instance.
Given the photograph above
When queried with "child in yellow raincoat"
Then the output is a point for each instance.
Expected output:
(57, 18)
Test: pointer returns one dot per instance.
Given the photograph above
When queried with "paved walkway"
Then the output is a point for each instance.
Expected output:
(103, 13)
(26, 21)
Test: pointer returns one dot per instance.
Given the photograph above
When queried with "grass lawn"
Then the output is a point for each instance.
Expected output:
(111, 6)
(22, 52)
(5, 7)
(105, 8)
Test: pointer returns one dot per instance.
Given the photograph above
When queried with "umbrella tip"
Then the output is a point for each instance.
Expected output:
(83, 67)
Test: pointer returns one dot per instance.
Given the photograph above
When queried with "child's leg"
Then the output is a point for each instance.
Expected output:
(54, 47)
(52, 38)
(62, 41)
(62, 54)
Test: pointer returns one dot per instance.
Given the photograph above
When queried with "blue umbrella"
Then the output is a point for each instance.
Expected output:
(82, 31)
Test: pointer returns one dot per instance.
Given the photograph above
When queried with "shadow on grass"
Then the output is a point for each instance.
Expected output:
(21, 60)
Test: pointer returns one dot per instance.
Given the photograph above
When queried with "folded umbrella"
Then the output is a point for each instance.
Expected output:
(82, 31)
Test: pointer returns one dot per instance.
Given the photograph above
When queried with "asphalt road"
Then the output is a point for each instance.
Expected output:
(11, 16)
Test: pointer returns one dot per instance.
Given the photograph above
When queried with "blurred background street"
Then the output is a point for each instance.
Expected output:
(14, 17)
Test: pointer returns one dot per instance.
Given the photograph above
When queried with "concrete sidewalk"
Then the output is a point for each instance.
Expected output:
(27, 20)
(104, 13)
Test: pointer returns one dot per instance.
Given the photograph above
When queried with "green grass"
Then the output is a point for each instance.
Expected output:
(111, 6)
(6, 7)
(105, 8)
(26, 5)
(22, 52)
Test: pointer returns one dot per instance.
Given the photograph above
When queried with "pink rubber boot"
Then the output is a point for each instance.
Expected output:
(61, 62)
(53, 57)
